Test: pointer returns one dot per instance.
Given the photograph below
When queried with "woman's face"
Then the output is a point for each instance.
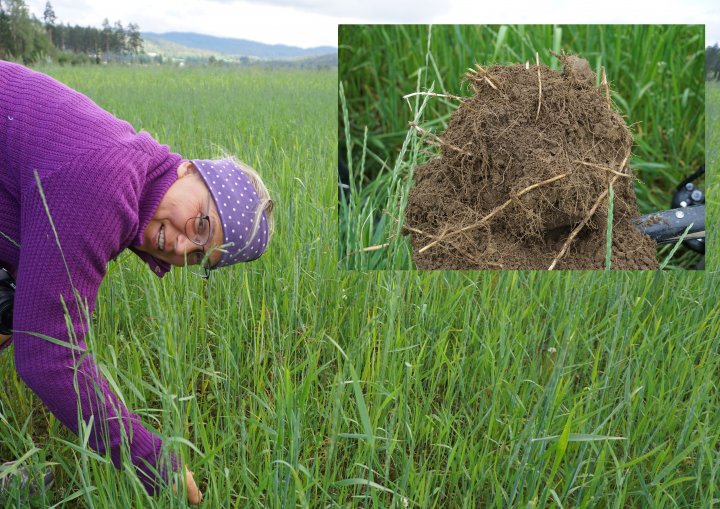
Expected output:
(165, 236)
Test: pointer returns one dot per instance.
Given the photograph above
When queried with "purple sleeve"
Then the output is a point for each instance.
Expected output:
(93, 226)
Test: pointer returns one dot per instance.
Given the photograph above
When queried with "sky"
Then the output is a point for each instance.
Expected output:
(270, 22)
(308, 23)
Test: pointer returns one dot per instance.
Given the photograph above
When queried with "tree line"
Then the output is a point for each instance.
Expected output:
(712, 62)
(25, 38)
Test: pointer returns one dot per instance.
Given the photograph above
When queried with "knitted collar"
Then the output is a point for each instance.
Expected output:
(157, 183)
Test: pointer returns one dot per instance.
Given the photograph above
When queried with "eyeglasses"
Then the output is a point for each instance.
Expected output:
(198, 231)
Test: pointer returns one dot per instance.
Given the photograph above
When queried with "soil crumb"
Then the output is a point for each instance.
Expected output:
(526, 164)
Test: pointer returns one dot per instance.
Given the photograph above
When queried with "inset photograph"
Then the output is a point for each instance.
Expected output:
(521, 147)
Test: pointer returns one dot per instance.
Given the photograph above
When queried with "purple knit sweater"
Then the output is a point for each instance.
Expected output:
(102, 182)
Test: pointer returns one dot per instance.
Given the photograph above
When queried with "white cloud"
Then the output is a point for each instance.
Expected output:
(712, 30)
(370, 11)
(314, 22)
(270, 24)
(573, 11)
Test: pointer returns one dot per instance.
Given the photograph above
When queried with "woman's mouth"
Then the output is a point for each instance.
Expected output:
(161, 238)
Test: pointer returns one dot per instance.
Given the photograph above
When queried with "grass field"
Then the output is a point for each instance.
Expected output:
(712, 142)
(656, 74)
(181, 350)
(290, 383)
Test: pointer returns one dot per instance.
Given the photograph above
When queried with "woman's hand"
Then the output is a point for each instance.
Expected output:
(193, 492)
(3, 338)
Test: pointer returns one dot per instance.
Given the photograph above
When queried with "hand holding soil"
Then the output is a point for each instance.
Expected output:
(523, 177)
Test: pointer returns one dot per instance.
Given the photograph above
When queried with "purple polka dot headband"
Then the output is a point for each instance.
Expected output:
(237, 200)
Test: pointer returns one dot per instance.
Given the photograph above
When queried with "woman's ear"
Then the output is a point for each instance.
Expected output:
(186, 168)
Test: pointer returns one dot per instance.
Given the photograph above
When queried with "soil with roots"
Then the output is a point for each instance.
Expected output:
(523, 178)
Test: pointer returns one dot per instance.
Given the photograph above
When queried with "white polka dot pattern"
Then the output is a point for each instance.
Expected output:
(226, 172)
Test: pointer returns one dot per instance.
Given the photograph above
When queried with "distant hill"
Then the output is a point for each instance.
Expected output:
(171, 49)
(323, 60)
(188, 43)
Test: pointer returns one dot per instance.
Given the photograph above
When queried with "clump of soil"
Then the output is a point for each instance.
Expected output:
(522, 180)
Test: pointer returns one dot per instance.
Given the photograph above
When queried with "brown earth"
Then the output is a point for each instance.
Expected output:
(513, 181)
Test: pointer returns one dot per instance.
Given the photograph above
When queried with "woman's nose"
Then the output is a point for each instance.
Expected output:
(182, 244)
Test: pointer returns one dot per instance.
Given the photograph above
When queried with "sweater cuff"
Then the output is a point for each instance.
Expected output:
(156, 472)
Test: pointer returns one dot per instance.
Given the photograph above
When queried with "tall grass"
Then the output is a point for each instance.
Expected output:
(712, 141)
(174, 348)
(656, 74)
(421, 390)
(287, 382)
